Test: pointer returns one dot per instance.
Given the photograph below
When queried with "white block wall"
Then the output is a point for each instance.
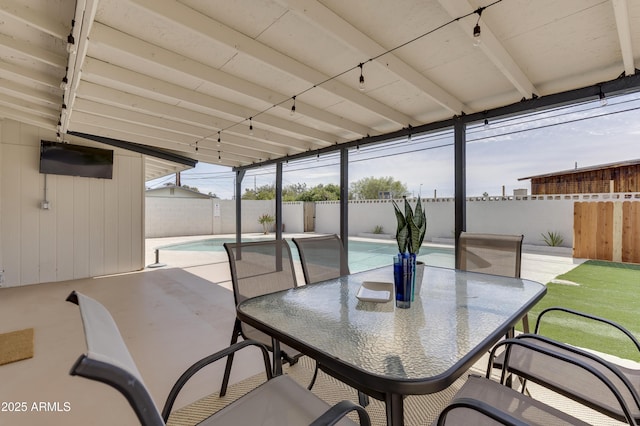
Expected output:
(170, 216)
(530, 216)
(181, 216)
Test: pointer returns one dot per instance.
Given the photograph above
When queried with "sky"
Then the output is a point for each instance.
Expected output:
(497, 155)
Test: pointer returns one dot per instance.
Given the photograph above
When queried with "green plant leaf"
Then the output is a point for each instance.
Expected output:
(266, 218)
(417, 224)
(418, 215)
(553, 239)
(402, 232)
(402, 238)
(417, 233)
(420, 220)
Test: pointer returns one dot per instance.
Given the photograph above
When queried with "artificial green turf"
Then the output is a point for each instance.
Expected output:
(606, 289)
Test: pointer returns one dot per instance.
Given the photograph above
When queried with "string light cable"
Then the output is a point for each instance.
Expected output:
(435, 138)
(358, 66)
(418, 145)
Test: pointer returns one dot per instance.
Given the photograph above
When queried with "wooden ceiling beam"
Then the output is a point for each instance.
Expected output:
(491, 47)
(621, 13)
(329, 21)
(190, 19)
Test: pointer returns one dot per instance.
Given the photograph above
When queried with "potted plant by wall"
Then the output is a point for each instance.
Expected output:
(266, 220)
(412, 227)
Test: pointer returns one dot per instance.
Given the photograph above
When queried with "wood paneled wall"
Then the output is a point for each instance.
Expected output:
(94, 226)
(607, 231)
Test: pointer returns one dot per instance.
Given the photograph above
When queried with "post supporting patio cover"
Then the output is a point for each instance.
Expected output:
(279, 200)
(239, 176)
(460, 159)
(344, 200)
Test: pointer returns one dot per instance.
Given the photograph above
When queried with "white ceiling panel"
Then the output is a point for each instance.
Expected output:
(175, 74)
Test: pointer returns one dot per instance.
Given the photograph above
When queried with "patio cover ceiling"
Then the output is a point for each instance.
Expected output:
(178, 75)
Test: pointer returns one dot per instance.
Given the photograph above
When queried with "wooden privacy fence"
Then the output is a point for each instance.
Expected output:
(607, 231)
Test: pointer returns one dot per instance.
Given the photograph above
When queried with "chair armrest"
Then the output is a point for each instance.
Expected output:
(338, 411)
(587, 316)
(545, 361)
(481, 407)
(199, 365)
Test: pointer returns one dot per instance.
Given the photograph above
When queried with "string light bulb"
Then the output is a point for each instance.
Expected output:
(251, 126)
(476, 30)
(64, 83)
(219, 157)
(293, 107)
(476, 34)
(71, 44)
(196, 146)
(486, 124)
(603, 99)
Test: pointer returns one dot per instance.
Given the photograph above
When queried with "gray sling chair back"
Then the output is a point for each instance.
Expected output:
(491, 254)
(280, 400)
(496, 254)
(324, 258)
(560, 368)
(259, 268)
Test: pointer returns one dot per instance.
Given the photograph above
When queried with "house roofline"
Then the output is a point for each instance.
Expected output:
(586, 169)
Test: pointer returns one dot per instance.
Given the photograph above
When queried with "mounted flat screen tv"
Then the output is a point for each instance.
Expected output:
(75, 160)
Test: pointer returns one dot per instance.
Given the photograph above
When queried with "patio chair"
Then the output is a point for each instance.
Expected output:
(492, 254)
(259, 268)
(108, 361)
(576, 374)
(475, 412)
(610, 328)
(633, 341)
(322, 258)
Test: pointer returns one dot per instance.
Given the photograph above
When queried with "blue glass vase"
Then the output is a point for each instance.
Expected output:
(404, 265)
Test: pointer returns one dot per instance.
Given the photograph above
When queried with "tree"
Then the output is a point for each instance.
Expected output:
(321, 193)
(371, 188)
(264, 192)
(192, 188)
(294, 192)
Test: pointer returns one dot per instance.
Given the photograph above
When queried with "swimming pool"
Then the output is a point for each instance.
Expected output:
(363, 255)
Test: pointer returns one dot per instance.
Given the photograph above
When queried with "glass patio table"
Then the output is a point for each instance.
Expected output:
(388, 352)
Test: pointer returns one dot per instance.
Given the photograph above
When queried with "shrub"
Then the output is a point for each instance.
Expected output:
(553, 239)
(266, 220)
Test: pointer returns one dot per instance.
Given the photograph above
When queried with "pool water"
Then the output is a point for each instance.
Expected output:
(363, 255)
